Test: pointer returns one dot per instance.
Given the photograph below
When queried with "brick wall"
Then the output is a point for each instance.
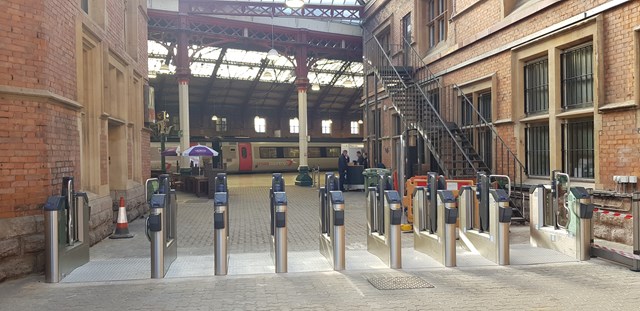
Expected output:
(40, 115)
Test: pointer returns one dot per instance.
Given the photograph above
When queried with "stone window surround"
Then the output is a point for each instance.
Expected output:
(552, 46)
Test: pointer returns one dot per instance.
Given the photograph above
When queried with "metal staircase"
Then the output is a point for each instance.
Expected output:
(461, 138)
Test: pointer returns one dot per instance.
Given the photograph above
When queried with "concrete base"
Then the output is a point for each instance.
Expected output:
(304, 179)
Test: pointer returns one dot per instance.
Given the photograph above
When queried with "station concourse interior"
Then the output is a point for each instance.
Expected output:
(538, 100)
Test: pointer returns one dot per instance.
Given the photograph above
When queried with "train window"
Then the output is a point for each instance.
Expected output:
(333, 152)
(244, 152)
(314, 152)
(291, 152)
(268, 152)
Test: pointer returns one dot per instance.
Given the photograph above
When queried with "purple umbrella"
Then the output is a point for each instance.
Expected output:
(169, 152)
(200, 151)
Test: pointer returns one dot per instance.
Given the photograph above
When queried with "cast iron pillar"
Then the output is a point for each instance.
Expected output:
(302, 84)
(183, 73)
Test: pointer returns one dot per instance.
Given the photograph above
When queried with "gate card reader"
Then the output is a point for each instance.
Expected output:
(504, 210)
(158, 200)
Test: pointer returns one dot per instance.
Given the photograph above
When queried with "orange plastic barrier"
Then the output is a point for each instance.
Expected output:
(421, 181)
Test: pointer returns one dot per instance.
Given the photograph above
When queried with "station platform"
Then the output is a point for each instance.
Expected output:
(118, 275)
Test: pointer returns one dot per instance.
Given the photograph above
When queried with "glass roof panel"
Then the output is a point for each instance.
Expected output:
(245, 65)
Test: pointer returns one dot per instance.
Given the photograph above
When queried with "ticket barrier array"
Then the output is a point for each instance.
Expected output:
(332, 231)
(278, 209)
(66, 222)
(489, 234)
(161, 226)
(384, 217)
(435, 216)
(221, 225)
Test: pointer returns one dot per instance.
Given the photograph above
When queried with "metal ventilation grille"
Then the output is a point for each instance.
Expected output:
(399, 282)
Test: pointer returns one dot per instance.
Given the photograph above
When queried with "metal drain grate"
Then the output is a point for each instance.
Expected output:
(399, 282)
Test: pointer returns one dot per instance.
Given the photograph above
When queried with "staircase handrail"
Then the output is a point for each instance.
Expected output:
(425, 97)
(431, 77)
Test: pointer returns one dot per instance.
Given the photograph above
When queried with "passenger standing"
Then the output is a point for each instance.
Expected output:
(343, 163)
(365, 161)
(360, 158)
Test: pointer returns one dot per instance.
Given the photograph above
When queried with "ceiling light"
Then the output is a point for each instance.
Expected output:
(360, 121)
(315, 87)
(214, 118)
(267, 75)
(347, 83)
(273, 54)
(294, 3)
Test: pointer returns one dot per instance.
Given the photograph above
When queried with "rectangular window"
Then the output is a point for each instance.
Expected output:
(485, 144)
(437, 21)
(294, 126)
(221, 124)
(260, 125)
(268, 152)
(383, 38)
(537, 153)
(314, 152)
(333, 152)
(291, 152)
(397, 122)
(484, 105)
(406, 37)
(578, 150)
(577, 77)
(355, 128)
(326, 126)
(536, 86)
(85, 6)
(466, 109)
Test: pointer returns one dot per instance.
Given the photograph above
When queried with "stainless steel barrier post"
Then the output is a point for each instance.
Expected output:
(581, 211)
(221, 186)
(338, 232)
(279, 224)
(499, 204)
(393, 220)
(155, 227)
(66, 232)
(220, 233)
(447, 204)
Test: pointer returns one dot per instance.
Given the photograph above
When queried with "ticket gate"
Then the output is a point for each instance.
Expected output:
(221, 225)
(487, 234)
(66, 222)
(332, 231)
(384, 217)
(561, 219)
(438, 242)
(161, 226)
(278, 209)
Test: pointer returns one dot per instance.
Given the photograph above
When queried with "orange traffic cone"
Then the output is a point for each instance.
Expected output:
(122, 226)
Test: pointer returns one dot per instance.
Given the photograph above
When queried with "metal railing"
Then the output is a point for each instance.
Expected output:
(460, 138)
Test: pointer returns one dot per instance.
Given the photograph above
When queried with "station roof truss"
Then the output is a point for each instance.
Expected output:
(228, 63)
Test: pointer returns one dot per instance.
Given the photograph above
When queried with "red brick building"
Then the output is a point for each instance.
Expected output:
(556, 84)
(72, 77)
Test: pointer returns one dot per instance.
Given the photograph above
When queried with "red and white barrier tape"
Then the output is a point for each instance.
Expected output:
(614, 214)
(619, 252)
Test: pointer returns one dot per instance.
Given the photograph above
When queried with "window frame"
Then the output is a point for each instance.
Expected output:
(294, 128)
(529, 151)
(436, 21)
(260, 123)
(563, 78)
(544, 106)
(326, 126)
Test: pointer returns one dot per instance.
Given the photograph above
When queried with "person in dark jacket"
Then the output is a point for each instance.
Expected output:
(343, 163)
